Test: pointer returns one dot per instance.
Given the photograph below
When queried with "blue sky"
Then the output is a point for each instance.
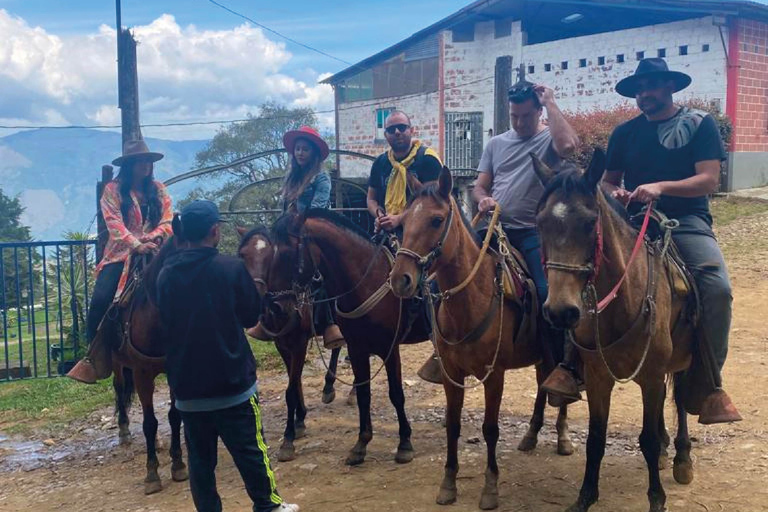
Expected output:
(196, 60)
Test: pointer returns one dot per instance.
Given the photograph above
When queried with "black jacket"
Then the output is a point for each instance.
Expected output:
(205, 300)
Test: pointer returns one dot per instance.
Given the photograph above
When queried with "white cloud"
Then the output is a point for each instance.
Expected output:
(185, 74)
(43, 208)
(11, 164)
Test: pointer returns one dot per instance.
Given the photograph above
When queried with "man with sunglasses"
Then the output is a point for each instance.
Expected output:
(672, 155)
(506, 177)
(388, 190)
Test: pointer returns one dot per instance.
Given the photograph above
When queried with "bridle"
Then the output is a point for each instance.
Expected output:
(425, 262)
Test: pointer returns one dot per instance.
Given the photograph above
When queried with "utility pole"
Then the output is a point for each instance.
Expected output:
(502, 83)
(127, 81)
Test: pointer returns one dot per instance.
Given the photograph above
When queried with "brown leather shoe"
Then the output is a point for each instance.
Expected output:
(561, 387)
(332, 337)
(430, 371)
(259, 333)
(718, 408)
(83, 371)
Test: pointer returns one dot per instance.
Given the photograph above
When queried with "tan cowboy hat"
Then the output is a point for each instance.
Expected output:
(312, 135)
(136, 150)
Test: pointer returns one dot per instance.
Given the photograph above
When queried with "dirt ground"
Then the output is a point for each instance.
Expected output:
(84, 469)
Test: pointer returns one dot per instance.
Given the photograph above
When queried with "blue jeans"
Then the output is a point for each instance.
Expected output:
(698, 248)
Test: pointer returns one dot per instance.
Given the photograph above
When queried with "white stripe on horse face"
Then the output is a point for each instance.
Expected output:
(418, 209)
(260, 245)
(560, 210)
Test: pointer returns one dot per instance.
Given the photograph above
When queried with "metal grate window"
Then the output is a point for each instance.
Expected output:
(463, 139)
(425, 49)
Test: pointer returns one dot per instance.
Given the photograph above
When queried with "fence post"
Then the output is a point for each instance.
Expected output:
(502, 83)
(101, 227)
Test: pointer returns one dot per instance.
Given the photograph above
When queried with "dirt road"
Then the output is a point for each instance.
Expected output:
(85, 470)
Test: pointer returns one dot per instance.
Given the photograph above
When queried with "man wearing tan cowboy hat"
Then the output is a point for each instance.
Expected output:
(137, 211)
(671, 155)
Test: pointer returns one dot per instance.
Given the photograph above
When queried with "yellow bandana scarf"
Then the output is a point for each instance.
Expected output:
(394, 200)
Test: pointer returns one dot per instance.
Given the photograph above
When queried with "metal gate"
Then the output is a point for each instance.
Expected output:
(463, 139)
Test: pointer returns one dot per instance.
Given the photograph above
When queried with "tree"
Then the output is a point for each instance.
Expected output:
(15, 261)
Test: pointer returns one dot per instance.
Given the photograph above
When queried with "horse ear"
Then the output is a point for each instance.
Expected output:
(596, 168)
(176, 227)
(241, 231)
(544, 173)
(413, 183)
(445, 183)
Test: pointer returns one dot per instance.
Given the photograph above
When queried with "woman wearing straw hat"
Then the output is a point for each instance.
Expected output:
(137, 211)
(307, 186)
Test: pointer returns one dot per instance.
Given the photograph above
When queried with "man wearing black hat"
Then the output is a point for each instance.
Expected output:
(205, 300)
(671, 155)
(506, 177)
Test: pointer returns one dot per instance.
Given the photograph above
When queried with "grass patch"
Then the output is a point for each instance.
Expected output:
(266, 354)
(47, 403)
(730, 208)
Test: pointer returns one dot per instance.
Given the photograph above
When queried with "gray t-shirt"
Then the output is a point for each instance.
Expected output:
(515, 184)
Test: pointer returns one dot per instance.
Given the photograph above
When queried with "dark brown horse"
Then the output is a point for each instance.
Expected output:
(480, 332)
(588, 242)
(138, 361)
(291, 340)
(328, 247)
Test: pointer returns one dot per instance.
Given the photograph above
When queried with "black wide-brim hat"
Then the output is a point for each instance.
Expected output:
(652, 67)
(136, 150)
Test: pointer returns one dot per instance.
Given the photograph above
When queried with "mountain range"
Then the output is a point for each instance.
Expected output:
(54, 174)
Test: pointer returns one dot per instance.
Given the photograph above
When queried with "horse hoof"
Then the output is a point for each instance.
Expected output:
(329, 397)
(180, 474)
(153, 487)
(564, 447)
(446, 496)
(300, 431)
(404, 456)
(125, 440)
(683, 472)
(355, 458)
(489, 501)
(286, 453)
(527, 443)
(352, 398)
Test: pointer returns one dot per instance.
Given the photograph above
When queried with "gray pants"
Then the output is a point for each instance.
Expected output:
(698, 248)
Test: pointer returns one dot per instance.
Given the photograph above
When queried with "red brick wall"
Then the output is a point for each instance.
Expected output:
(752, 104)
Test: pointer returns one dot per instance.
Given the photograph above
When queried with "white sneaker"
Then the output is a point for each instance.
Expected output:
(286, 507)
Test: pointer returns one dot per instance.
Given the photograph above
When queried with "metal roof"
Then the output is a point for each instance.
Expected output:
(604, 16)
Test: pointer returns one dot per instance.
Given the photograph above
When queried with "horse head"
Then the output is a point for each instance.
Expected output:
(426, 245)
(568, 220)
(256, 251)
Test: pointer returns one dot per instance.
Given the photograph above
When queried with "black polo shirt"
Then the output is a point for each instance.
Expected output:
(425, 166)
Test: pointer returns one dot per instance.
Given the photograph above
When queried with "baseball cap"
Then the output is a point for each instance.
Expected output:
(198, 217)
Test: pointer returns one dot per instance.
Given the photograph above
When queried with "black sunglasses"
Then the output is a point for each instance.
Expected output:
(520, 92)
(397, 127)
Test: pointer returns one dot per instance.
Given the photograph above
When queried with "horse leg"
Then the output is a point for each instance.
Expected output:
(682, 468)
(361, 366)
(145, 387)
(650, 441)
(301, 408)
(122, 382)
(454, 402)
(329, 393)
(397, 397)
(664, 437)
(531, 437)
(564, 444)
(287, 451)
(494, 389)
(179, 471)
(599, 390)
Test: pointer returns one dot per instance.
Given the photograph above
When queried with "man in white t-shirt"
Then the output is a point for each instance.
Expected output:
(507, 178)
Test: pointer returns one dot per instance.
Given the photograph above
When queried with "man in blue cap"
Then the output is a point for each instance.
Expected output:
(205, 300)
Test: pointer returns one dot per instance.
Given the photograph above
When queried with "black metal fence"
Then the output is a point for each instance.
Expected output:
(44, 295)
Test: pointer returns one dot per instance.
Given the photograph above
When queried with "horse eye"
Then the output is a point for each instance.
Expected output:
(437, 222)
(589, 226)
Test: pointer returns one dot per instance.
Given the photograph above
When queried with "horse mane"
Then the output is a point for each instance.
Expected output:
(260, 230)
(338, 220)
(152, 271)
(571, 182)
(432, 191)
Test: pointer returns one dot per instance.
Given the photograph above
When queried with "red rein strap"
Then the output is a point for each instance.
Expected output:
(638, 244)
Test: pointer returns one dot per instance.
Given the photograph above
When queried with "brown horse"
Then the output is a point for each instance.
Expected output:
(326, 246)
(291, 341)
(487, 327)
(587, 241)
(138, 361)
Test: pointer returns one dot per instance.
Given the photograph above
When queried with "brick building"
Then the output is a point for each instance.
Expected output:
(452, 77)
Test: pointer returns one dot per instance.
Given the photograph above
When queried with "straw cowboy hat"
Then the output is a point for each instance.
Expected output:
(305, 132)
(653, 67)
(136, 150)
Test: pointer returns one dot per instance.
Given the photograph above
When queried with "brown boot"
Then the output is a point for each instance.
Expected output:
(718, 408)
(83, 371)
(430, 371)
(332, 337)
(561, 387)
(258, 332)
